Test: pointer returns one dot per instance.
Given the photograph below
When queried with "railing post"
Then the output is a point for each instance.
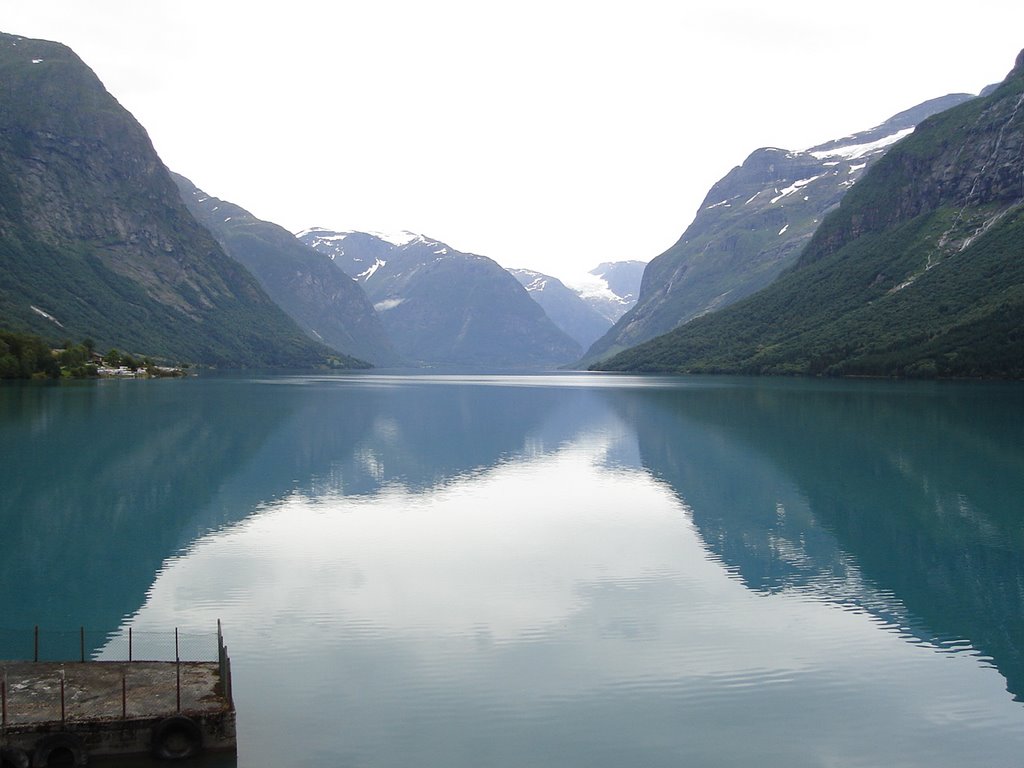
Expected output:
(124, 695)
(220, 656)
(177, 669)
(224, 664)
(62, 696)
(81, 642)
(227, 679)
(35, 654)
(129, 643)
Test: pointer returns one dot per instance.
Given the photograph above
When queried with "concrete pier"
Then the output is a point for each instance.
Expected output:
(66, 713)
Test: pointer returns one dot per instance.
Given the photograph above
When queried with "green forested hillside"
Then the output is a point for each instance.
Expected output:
(920, 272)
(24, 356)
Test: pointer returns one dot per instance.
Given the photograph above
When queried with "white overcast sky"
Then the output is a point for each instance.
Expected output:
(552, 135)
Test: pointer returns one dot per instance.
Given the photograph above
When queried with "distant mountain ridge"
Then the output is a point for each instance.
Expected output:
(752, 225)
(95, 240)
(566, 307)
(441, 306)
(918, 272)
(618, 287)
(586, 311)
(324, 301)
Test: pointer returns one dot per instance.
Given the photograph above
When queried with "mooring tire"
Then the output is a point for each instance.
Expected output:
(12, 757)
(177, 738)
(59, 749)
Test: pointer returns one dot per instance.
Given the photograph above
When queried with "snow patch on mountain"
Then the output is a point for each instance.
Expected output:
(400, 238)
(593, 287)
(367, 274)
(318, 231)
(793, 188)
(856, 151)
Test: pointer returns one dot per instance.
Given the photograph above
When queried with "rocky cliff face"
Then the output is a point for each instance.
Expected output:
(322, 299)
(968, 159)
(440, 306)
(751, 226)
(95, 240)
(918, 272)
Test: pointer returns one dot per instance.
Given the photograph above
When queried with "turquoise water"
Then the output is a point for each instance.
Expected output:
(549, 570)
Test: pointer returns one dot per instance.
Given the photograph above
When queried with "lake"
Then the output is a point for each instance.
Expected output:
(551, 570)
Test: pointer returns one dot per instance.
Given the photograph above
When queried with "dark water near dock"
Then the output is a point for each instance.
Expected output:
(547, 571)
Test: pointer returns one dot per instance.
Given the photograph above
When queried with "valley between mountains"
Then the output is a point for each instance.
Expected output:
(893, 251)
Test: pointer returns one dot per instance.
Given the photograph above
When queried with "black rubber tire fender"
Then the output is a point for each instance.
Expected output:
(176, 738)
(59, 745)
(13, 757)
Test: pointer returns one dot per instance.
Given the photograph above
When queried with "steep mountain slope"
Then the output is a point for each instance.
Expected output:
(323, 300)
(94, 238)
(918, 273)
(566, 308)
(751, 226)
(443, 307)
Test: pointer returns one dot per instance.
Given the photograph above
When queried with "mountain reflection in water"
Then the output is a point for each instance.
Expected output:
(545, 570)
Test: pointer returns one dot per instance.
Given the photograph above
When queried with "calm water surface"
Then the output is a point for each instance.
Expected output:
(564, 570)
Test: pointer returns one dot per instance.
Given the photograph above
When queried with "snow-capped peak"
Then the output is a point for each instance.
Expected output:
(319, 232)
(400, 238)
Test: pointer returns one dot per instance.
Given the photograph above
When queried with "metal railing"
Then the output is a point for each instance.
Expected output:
(81, 644)
(68, 674)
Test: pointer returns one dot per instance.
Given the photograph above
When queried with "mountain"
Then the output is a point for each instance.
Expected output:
(752, 225)
(587, 310)
(918, 272)
(566, 307)
(95, 241)
(358, 254)
(440, 306)
(617, 289)
(324, 301)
